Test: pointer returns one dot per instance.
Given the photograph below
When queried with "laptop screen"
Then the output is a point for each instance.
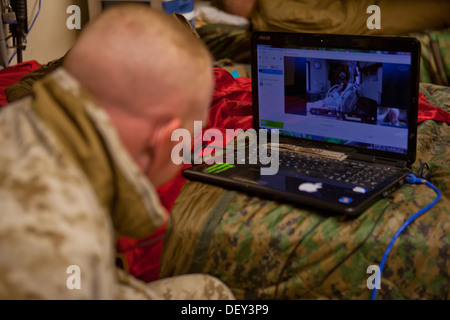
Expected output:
(346, 96)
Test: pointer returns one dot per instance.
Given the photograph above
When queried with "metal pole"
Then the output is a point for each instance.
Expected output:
(3, 54)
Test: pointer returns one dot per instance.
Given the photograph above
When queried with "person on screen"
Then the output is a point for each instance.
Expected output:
(392, 116)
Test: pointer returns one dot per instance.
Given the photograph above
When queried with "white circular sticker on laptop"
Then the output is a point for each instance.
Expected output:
(310, 187)
(359, 190)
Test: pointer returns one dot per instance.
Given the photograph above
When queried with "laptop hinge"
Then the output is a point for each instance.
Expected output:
(390, 162)
(378, 160)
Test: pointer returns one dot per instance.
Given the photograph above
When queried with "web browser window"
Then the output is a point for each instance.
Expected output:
(348, 97)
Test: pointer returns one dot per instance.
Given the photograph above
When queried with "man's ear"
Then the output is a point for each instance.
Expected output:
(161, 166)
(164, 132)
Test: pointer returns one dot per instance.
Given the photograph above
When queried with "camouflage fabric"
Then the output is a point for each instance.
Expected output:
(67, 188)
(267, 250)
(436, 95)
(23, 87)
(233, 43)
(227, 42)
(435, 56)
(350, 17)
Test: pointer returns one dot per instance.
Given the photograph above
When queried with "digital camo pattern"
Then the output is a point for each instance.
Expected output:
(57, 231)
(233, 42)
(266, 250)
(49, 217)
(436, 95)
(435, 56)
(227, 42)
(183, 287)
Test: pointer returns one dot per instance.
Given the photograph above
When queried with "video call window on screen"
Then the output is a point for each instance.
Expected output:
(348, 90)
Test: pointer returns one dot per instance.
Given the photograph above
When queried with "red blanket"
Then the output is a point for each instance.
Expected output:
(428, 111)
(231, 108)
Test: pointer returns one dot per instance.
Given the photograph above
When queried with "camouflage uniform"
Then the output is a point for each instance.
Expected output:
(68, 188)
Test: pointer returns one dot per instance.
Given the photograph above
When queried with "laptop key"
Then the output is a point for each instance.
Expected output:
(364, 175)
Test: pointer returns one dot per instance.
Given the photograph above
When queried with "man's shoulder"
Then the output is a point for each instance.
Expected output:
(33, 165)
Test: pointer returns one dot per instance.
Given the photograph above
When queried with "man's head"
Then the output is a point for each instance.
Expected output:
(150, 74)
(392, 116)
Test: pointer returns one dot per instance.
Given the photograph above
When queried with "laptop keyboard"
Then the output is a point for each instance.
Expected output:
(347, 171)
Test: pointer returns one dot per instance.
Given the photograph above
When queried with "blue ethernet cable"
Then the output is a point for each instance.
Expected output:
(414, 180)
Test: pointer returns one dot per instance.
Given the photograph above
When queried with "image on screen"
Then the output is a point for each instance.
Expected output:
(356, 98)
(358, 91)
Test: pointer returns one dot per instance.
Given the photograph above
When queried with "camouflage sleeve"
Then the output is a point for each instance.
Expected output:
(183, 287)
(55, 239)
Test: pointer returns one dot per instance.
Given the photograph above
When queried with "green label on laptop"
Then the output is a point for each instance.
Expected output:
(273, 124)
(219, 167)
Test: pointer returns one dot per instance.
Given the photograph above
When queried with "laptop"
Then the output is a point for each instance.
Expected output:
(339, 111)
